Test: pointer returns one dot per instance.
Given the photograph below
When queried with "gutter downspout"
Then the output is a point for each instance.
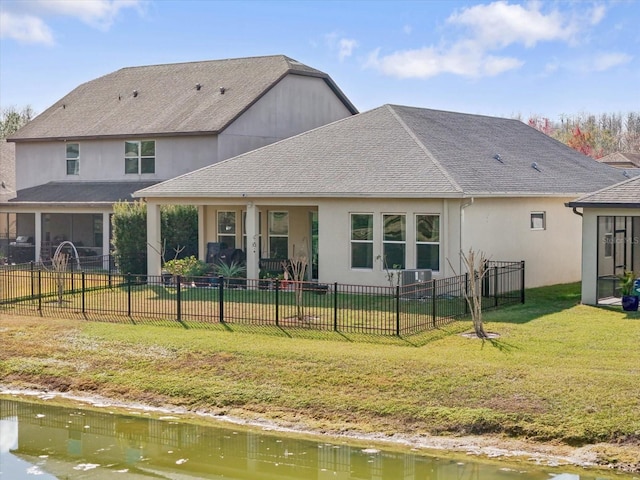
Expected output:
(575, 210)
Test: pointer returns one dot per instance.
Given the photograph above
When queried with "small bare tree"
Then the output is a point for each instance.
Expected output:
(298, 267)
(60, 263)
(476, 265)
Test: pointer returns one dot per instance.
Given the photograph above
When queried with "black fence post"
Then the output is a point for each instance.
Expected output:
(466, 293)
(178, 298)
(434, 296)
(335, 307)
(83, 289)
(221, 297)
(495, 286)
(72, 277)
(277, 302)
(398, 310)
(109, 269)
(33, 287)
(522, 281)
(128, 294)
(39, 289)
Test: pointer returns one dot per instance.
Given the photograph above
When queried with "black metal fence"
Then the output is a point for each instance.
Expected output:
(398, 310)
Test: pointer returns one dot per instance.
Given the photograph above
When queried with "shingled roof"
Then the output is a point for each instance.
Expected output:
(625, 194)
(7, 170)
(622, 159)
(181, 98)
(396, 151)
(79, 193)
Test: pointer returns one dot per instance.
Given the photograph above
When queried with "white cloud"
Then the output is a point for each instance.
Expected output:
(476, 35)
(25, 29)
(26, 21)
(407, 29)
(604, 61)
(344, 46)
(347, 45)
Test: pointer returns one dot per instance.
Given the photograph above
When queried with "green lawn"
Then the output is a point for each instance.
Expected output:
(558, 371)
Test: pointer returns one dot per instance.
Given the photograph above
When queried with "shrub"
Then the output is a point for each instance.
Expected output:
(187, 267)
(129, 223)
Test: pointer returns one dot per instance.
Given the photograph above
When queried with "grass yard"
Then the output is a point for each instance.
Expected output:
(558, 372)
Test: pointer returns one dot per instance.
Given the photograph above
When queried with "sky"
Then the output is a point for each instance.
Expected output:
(502, 58)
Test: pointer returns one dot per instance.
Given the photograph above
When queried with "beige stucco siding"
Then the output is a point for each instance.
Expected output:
(103, 160)
(501, 228)
(294, 105)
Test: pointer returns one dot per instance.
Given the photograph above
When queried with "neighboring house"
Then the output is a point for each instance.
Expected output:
(410, 186)
(7, 191)
(137, 126)
(610, 238)
(622, 160)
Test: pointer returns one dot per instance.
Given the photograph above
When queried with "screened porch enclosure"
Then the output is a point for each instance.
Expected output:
(618, 252)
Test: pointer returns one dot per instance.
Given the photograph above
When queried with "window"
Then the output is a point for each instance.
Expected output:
(140, 157)
(361, 240)
(428, 242)
(608, 236)
(73, 158)
(279, 234)
(227, 229)
(394, 241)
(97, 230)
(538, 221)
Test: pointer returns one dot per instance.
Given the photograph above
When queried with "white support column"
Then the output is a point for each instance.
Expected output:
(590, 257)
(154, 242)
(106, 239)
(253, 256)
(37, 239)
(202, 240)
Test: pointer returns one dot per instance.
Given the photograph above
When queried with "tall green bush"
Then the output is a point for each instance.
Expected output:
(179, 226)
(179, 231)
(129, 224)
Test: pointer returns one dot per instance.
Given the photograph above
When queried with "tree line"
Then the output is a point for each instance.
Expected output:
(594, 135)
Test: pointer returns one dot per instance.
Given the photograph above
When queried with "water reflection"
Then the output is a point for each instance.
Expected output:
(55, 442)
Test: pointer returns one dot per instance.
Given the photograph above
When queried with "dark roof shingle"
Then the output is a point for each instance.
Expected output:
(85, 193)
(164, 99)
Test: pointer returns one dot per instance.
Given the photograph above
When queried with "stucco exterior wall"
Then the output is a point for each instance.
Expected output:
(296, 104)
(103, 160)
(501, 228)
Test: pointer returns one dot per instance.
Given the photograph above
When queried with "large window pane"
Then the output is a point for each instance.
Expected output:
(131, 165)
(394, 228)
(362, 255)
(73, 150)
(149, 149)
(428, 256)
(361, 227)
(394, 256)
(427, 228)
(148, 165)
(279, 247)
(131, 149)
(278, 223)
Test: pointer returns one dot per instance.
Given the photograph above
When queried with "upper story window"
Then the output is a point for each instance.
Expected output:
(361, 240)
(394, 242)
(140, 157)
(428, 241)
(73, 158)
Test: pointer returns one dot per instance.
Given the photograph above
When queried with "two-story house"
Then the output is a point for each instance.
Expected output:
(141, 125)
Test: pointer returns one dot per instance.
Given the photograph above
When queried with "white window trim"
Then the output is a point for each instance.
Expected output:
(394, 242)
(438, 243)
(352, 241)
(77, 160)
(544, 221)
(140, 157)
(222, 235)
(277, 235)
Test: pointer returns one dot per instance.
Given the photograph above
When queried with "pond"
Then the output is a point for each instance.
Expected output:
(47, 441)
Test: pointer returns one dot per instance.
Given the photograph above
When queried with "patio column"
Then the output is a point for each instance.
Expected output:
(154, 242)
(37, 238)
(202, 235)
(253, 256)
(590, 257)
(106, 239)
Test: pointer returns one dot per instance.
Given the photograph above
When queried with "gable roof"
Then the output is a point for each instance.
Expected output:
(625, 194)
(166, 100)
(622, 159)
(398, 151)
(78, 193)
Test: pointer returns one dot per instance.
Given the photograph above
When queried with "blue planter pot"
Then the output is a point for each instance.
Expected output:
(630, 303)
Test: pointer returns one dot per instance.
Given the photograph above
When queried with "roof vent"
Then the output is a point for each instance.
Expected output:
(222, 90)
(626, 174)
(534, 165)
(498, 157)
(198, 86)
(135, 93)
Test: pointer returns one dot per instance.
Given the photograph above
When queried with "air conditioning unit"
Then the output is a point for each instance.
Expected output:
(415, 283)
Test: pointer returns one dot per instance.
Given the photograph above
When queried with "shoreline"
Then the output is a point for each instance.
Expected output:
(487, 447)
